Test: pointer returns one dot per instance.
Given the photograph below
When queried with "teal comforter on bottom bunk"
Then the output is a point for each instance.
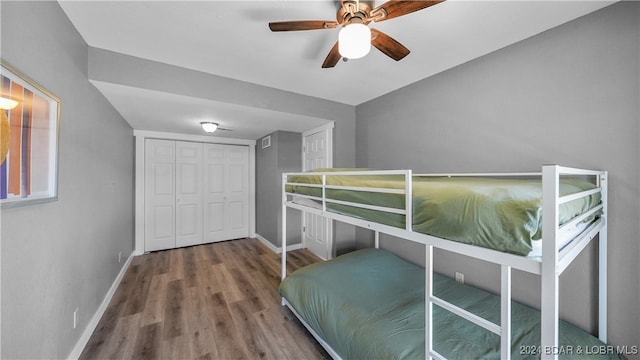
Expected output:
(369, 304)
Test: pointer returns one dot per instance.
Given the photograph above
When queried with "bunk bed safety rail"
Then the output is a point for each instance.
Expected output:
(324, 186)
(515, 174)
(556, 260)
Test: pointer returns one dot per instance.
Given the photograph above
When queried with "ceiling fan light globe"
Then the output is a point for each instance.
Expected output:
(354, 41)
(209, 126)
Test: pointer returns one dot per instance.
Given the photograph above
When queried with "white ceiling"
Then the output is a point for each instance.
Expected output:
(232, 39)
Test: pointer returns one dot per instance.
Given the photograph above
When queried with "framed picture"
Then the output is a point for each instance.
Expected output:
(29, 127)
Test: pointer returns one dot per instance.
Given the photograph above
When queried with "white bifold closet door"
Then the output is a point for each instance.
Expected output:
(189, 178)
(159, 194)
(194, 193)
(226, 209)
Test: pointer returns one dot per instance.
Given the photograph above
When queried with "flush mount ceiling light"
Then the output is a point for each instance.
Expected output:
(354, 41)
(209, 126)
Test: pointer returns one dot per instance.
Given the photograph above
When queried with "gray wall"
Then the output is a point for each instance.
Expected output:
(62, 255)
(284, 155)
(568, 96)
(111, 67)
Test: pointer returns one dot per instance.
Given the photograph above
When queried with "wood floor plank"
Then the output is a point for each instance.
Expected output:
(148, 342)
(296, 330)
(271, 321)
(266, 289)
(154, 308)
(249, 293)
(125, 332)
(212, 301)
(190, 267)
(241, 255)
(174, 315)
(229, 254)
(212, 251)
(162, 261)
(225, 281)
(203, 344)
(178, 347)
(225, 331)
(197, 313)
(176, 264)
(253, 339)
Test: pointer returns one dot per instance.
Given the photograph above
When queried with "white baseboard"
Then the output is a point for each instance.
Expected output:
(277, 249)
(91, 326)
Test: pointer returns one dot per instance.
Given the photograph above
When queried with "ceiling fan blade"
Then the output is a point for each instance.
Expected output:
(302, 25)
(333, 57)
(394, 8)
(388, 45)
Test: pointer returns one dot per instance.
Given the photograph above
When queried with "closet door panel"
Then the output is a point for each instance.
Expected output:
(215, 179)
(237, 194)
(159, 194)
(215, 220)
(162, 226)
(237, 219)
(189, 193)
(226, 193)
(215, 192)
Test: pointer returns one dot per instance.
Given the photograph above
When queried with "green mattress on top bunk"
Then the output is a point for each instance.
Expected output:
(500, 214)
(369, 304)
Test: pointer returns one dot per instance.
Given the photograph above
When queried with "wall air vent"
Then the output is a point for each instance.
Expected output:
(266, 142)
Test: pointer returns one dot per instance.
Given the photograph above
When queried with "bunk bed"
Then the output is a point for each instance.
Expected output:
(542, 220)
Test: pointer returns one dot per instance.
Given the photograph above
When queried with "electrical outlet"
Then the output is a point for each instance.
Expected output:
(75, 317)
(460, 277)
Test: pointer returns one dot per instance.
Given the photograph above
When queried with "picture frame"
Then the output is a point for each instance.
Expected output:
(29, 140)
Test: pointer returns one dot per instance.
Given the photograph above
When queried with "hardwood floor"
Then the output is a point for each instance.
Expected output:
(213, 301)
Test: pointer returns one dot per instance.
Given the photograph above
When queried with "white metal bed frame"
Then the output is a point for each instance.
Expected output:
(554, 260)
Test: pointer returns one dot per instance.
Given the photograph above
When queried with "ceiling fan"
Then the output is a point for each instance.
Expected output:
(356, 12)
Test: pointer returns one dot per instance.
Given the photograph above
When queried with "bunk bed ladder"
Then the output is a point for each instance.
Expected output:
(505, 312)
(503, 330)
(428, 305)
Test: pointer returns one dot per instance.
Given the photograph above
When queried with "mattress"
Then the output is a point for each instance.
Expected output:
(369, 304)
(500, 214)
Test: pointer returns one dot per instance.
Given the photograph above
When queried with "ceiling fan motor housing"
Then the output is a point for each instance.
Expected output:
(353, 12)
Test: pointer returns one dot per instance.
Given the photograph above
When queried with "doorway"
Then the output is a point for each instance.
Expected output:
(317, 152)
